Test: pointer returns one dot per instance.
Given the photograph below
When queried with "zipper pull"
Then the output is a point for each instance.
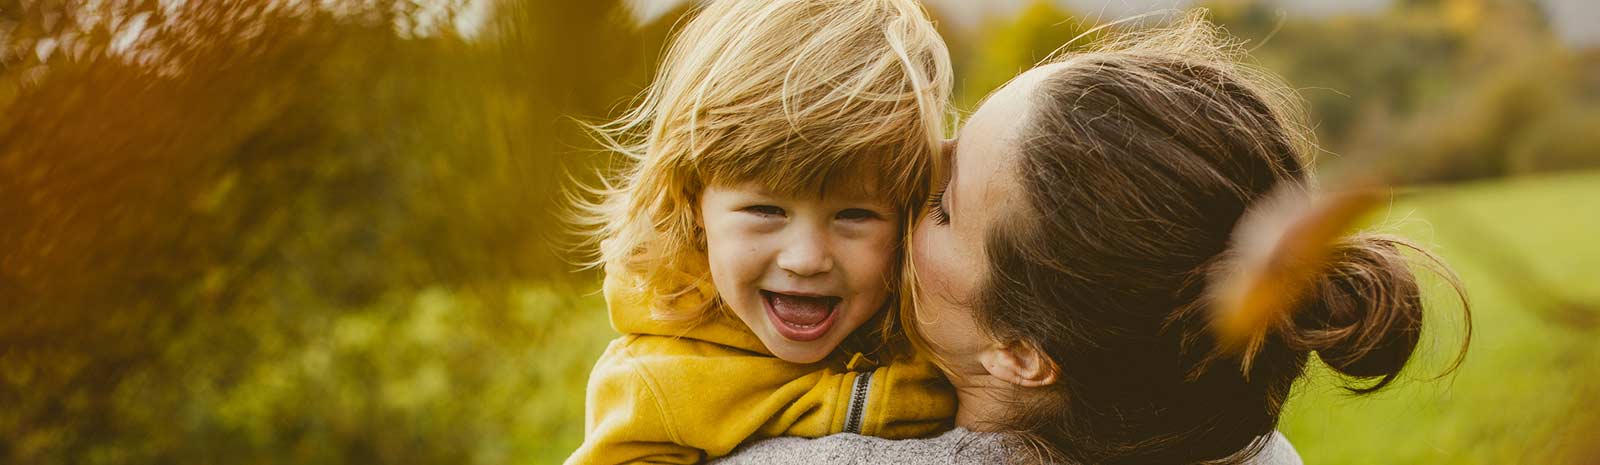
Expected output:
(859, 362)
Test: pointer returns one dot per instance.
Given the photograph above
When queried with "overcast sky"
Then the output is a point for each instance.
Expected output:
(1577, 21)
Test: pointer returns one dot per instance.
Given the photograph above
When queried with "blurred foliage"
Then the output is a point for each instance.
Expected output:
(1005, 48)
(1429, 91)
(1432, 91)
(325, 232)
(227, 224)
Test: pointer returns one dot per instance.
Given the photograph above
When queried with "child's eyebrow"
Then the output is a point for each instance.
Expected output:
(862, 196)
(754, 189)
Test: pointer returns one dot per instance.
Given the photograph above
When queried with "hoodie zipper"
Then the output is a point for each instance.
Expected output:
(858, 402)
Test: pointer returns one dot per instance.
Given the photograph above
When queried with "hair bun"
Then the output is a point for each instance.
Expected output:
(1294, 274)
(1364, 315)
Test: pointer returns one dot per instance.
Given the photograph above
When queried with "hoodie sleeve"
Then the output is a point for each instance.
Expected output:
(658, 399)
(669, 393)
(914, 400)
(625, 421)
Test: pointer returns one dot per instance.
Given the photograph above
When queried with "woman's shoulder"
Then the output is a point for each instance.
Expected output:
(957, 446)
(1277, 451)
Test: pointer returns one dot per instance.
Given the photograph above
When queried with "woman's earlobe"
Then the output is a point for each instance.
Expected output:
(1020, 364)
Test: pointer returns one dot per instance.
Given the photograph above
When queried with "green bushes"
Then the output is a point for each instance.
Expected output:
(324, 241)
(1426, 92)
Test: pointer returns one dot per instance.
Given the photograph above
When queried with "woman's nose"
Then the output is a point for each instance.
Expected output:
(806, 256)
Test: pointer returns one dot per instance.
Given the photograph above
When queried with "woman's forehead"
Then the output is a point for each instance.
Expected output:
(987, 150)
(1006, 110)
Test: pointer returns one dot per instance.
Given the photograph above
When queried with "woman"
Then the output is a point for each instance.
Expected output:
(1065, 269)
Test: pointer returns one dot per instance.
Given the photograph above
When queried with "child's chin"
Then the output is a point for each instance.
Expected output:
(810, 353)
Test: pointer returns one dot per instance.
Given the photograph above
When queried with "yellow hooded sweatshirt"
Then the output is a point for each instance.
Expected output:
(670, 392)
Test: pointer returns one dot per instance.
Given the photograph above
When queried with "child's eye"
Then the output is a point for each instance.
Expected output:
(856, 214)
(763, 210)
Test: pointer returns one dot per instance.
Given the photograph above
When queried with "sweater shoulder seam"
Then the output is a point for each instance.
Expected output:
(652, 388)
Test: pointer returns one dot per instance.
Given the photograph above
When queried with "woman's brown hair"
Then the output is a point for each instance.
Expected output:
(1136, 165)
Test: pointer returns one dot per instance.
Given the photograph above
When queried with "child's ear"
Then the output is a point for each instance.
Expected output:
(1019, 363)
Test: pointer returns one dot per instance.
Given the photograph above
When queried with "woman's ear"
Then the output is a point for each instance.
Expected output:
(1019, 363)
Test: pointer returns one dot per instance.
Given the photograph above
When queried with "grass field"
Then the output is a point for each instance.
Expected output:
(1523, 394)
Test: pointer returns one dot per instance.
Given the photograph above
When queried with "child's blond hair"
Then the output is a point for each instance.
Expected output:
(788, 94)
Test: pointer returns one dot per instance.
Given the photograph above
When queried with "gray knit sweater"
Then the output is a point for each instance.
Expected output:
(958, 447)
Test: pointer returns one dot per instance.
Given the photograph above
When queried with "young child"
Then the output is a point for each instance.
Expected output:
(753, 246)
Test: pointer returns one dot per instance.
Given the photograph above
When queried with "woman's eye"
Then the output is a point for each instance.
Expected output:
(856, 214)
(936, 210)
(763, 210)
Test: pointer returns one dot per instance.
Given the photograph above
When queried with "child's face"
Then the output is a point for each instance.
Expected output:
(802, 272)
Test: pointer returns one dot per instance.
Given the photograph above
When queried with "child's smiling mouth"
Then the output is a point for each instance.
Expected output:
(800, 318)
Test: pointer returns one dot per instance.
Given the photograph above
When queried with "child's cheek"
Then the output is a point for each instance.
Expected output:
(882, 253)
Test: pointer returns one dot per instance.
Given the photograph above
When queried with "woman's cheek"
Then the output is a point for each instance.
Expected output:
(937, 266)
(922, 256)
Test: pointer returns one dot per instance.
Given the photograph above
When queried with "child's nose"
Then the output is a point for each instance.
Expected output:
(806, 257)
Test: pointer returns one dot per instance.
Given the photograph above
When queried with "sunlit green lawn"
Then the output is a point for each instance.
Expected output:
(1523, 394)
